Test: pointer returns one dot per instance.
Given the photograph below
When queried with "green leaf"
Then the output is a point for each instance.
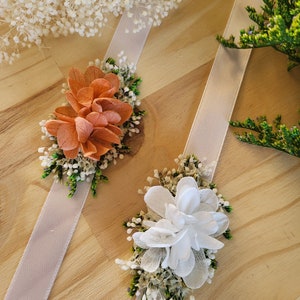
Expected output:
(276, 26)
(276, 136)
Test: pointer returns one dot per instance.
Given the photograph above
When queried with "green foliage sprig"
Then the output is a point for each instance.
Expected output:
(275, 135)
(278, 26)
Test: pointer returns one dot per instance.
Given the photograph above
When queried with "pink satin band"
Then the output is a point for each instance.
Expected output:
(59, 216)
(48, 244)
(210, 125)
(130, 43)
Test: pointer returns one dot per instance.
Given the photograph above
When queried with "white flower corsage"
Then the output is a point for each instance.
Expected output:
(87, 133)
(176, 241)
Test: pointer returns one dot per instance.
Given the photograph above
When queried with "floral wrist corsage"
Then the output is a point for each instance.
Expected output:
(176, 241)
(87, 133)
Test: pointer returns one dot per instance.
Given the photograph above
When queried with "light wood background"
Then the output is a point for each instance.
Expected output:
(263, 259)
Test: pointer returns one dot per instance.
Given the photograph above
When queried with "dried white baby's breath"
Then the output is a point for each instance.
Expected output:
(24, 23)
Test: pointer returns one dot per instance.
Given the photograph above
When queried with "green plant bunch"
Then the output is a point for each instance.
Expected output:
(277, 26)
(275, 135)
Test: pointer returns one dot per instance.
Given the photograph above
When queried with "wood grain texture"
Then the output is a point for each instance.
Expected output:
(263, 185)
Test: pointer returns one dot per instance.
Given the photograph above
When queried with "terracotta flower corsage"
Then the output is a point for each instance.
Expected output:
(88, 131)
(176, 241)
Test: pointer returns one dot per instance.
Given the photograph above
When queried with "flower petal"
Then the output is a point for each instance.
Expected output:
(156, 237)
(181, 251)
(76, 80)
(222, 221)
(188, 201)
(100, 85)
(71, 153)
(157, 197)
(103, 139)
(205, 223)
(173, 214)
(207, 242)
(185, 182)
(114, 129)
(102, 134)
(167, 225)
(84, 129)
(209, 200)
(199, 274)
(76, 74)
(97, 119)
(123, 109)
(165, 262)
(109, 93)
(101, 150)
(112, 117)
(96, 107)
(148, 223)
(161, 236)
(65, 113)
(67, 136)
(137, 240)
(185, 267)
(187, 195)
(92, 73)
(88, 148)
(75, 86)
(85, 96)
(84, 111)
(53, 125)
(151, 259)
(114, 80)
(73, 100)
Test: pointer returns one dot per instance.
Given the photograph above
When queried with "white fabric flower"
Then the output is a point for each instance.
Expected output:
(189, 223)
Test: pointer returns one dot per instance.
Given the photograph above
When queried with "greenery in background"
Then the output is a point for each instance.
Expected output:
(277, 26)
(276, 136)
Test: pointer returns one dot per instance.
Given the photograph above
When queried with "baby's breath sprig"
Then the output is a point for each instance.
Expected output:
(276, 135)
(83, 168)
(25, 23)
(163, 283)
(278, 26)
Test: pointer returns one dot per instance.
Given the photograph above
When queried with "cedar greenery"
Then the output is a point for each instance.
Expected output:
(277, 26)
(276, 136)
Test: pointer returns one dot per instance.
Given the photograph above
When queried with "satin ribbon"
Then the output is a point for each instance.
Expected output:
(130, 43)
(50, 238)
(210, 125)
(48, 244)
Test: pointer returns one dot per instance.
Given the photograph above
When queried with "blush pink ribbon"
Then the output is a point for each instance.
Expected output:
(211, 121)
(46, 248)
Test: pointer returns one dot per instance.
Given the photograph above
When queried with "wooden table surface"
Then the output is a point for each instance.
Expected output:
(262, 261)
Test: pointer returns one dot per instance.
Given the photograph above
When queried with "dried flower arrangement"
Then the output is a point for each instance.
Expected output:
(86, 134)
(176, 241)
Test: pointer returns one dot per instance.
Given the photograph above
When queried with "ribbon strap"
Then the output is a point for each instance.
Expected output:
(46, 248)
(48, 244)
(210, 125)
(128, 41)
